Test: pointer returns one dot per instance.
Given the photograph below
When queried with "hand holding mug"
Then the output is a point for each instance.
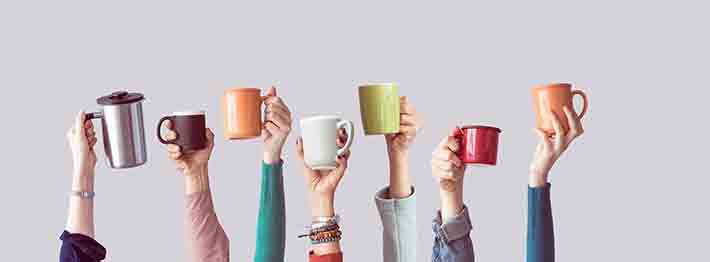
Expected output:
(551, 147)
(321, 184)
(82, 139)
(446, 165)
(410, 121)
(277, 126)
(188, 162)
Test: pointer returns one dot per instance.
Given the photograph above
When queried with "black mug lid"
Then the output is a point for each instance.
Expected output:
(119, 97)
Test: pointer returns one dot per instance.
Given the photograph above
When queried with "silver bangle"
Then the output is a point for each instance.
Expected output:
(83, 194)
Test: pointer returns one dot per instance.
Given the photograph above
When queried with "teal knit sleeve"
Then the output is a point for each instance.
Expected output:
(540, 240)
(271, 225)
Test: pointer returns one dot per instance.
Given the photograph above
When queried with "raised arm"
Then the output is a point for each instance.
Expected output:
(205, 239)
(452, 226)
(321, 185)
(396, 203)
(540, 236)
(78, 242)
(271, 225)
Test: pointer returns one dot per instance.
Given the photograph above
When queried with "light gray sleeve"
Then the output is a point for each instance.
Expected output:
(399, 222)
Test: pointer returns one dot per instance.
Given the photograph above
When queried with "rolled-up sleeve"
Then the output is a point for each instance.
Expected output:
(399, 222)
(206, 240)
(452, 240)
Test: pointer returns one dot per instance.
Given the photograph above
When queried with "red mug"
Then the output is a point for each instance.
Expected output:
(478, 144)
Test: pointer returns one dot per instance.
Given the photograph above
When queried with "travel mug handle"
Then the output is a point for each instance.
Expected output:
(585, 103)
(349, 129)
(160, 124)
(93, 115)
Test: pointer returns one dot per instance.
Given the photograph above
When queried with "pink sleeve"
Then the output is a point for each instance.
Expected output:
(205, 238)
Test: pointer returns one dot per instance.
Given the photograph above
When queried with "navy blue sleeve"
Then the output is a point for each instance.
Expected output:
(80, 248)
(541, 239)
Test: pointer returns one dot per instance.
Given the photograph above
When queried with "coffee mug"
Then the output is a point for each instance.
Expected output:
(242, 113)
(553, 97)
(190, 129)
(379, 108)
(319, 135)
(478, 144)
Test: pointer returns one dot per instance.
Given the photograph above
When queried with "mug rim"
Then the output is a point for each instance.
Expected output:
(481, 127)
(243, 89)
(318, 117)
(383, 85)
(188, 113)
(554, 85)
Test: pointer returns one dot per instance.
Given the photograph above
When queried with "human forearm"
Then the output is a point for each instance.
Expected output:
(400, 182)
(540, 235)
(81, 210)
(322, 206)
(197, 180)
(451, 194)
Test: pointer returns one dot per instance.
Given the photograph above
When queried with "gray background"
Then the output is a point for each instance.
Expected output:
(633, 188)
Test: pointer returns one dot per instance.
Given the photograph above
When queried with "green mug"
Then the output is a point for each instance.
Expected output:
(379, 108)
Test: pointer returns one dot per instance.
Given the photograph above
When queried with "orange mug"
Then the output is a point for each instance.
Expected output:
(241, 109)
(553, 97)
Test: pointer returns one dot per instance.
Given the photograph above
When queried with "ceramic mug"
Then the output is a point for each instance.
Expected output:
(379, 108)
(478, 144)
(553, 97)
(190, 129)
(241, 109)
(319, 135)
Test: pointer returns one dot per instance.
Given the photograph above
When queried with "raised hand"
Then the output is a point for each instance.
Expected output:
(550, 148)
(445, 164)
(410, 122)
(321, 184)
(189, 163)
(276, 127)
(82, 139)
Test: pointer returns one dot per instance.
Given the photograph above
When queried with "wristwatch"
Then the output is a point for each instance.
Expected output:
(83, 194)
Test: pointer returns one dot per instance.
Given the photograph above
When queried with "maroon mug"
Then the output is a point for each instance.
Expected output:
(478, 144)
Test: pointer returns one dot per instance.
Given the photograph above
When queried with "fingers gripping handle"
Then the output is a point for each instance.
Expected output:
(160, 124)
(349, 128)
(585, 103)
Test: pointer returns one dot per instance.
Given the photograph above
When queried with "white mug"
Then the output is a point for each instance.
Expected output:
(319, 135)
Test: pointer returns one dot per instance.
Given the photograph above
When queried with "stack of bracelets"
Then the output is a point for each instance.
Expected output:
(324, 230)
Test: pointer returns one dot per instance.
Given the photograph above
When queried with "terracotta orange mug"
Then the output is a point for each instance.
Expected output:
(241, 109)
(553, 97)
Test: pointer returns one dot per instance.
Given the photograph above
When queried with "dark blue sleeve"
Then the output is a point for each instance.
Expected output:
(540, 239)
(80, 248)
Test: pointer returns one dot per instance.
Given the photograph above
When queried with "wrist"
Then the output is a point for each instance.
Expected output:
(83, 182)
(272, 157)
(451, 203)
(197, 180)
(396, 155)
(537, 178)
(322, 205)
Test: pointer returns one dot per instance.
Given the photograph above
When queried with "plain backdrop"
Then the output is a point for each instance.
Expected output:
(633, 188)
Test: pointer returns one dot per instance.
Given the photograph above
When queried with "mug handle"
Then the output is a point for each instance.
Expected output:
(585, 103)
(160, 123)
(459, 140)
(93, 115)
(349, 128)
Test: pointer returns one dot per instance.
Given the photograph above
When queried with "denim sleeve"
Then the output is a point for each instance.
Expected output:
(271, 225)
(399, 222)
(80, 248)
(540, 239)
(452, 240)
